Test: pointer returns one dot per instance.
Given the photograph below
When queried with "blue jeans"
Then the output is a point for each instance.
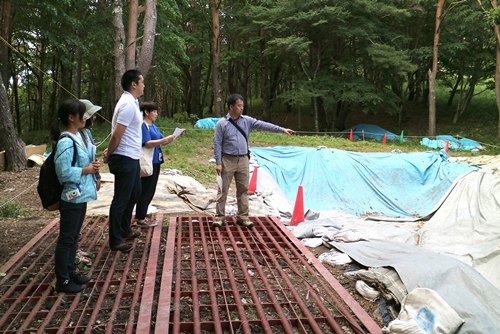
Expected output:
(70, 224)
(127, 189)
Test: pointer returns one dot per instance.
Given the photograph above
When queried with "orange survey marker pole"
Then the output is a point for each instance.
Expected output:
(252, 186)
(446, 146)
(384, 139)
(298, 209)
(350, 135)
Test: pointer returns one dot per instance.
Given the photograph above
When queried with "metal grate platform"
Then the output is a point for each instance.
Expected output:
(186, 277)
(236, 280)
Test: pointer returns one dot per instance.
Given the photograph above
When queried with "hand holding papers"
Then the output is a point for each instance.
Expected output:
(178, 132)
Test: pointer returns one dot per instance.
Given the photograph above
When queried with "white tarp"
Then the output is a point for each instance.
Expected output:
(474, 299)
(467, 225)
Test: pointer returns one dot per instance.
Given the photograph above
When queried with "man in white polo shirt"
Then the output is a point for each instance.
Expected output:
(123, 155)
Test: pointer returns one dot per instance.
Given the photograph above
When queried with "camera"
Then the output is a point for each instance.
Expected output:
(73, 194)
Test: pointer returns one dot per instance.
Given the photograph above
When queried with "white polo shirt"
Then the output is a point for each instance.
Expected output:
(127, 113)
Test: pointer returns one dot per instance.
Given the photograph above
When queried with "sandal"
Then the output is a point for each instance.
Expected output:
(147, 222)
(80, 258)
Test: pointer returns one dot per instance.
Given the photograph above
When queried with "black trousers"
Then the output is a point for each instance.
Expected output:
(70, 224)
(127, 188)
(148, 192)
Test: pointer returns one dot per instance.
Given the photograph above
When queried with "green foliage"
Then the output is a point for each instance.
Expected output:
(493, 16)
(9, 209)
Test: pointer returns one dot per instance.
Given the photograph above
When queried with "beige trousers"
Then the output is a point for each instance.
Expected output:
(237, 167)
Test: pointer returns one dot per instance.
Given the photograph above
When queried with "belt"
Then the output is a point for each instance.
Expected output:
(235, 155)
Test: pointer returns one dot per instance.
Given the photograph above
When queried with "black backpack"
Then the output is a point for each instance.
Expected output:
(49, 188)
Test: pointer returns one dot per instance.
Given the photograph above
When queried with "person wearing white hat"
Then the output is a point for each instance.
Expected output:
(88, 139)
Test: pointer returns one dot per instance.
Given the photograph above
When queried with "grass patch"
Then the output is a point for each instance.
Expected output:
(9, 209)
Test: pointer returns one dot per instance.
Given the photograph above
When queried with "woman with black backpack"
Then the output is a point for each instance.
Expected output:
(79, 187)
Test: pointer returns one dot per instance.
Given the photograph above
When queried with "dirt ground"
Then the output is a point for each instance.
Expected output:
(20, 187)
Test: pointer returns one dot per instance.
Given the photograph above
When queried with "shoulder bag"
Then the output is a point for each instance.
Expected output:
(146, 161)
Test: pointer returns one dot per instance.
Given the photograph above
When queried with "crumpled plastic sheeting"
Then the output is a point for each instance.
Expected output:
(307, 228)
(312, 242)
(361, 183)
(467, 224)
(424, 311)
(344, 235)
(453, 143)
(334, 257)
(334, 220)
(473, 298)
(177, 194)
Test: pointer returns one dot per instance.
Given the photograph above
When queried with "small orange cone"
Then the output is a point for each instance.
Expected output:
(384, 140)
(298, 209)
(350, 135)
(446, 145)
(252, 186)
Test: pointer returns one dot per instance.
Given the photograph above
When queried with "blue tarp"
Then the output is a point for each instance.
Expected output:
(207, 123)
(399, 185)
(454, 144)
(370, 131)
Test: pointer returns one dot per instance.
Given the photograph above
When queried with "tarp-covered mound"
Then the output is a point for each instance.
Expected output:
(402, 185)
(370, 131)
(454, 144)
(207, 123)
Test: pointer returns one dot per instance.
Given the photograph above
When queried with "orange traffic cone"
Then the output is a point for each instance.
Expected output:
(298, 209)
(252, 186)
(384, 139)
(350, 135)
(446, 145)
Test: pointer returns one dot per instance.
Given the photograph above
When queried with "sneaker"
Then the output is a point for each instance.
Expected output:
(218, 222)
(124, 248)
(69, 287)
(80, 279)
(132, 235)
(146, 222)
(244, 222)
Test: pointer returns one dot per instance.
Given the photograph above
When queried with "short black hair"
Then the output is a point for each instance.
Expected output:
(149, 106)
(231, 99)
(128, 77)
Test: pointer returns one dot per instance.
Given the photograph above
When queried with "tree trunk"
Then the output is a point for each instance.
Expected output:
(264, 80)
(15, 155)
(219, 104)
(194, 72)
(341, 115)
(465, 99)
(497, 69)
(148, 40)
(4, 48)
(454, 90)
(39, 89)
(119, 45)
(433, 72)
(131, 36)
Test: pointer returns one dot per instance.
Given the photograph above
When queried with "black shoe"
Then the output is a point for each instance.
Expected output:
(124, 248)
(80, 279)
(245, 222)
(218, 222)
(69, 287)
(132, 235)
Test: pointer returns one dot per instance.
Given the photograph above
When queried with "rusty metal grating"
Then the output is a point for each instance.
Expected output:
(119, 296)
(235, 280)
(186, 277)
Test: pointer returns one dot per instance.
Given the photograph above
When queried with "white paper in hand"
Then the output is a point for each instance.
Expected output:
(219, 181)
(178, 132)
